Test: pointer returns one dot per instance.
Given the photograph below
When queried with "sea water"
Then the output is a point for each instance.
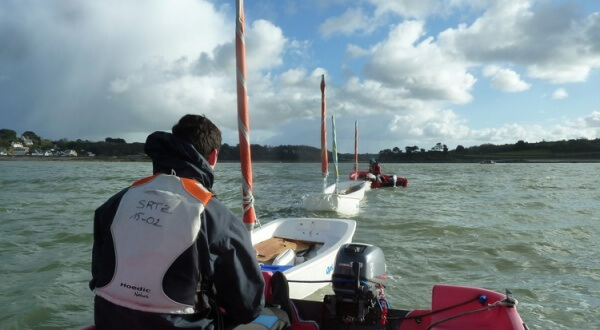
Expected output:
(531, 228)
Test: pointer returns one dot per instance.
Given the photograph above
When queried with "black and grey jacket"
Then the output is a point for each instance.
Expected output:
(146, 270)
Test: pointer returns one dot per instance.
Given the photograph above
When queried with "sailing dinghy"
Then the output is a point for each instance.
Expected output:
(302, 249)
(368, 183)
(386, 180)
(343, 198)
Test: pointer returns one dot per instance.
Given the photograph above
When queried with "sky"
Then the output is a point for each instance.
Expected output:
(409, 73)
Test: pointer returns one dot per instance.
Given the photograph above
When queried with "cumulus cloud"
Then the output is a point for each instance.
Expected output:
(552, 42)
(85, 60)
(207, 84)
(505, 80)
(351, 21)
(431, 124)
(405, 61)
(546, 42)
(593, 120)
(428, 126)
(408, 8)
(265, 46)
(354, 52)
(560, 94)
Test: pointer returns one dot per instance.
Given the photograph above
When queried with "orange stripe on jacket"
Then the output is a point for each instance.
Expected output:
(197, 190)
(190, 185)
(145, 180)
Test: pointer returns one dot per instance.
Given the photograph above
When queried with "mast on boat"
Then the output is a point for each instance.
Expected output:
(355, 150)
(248, 213)
(334, 152)
(324, 161)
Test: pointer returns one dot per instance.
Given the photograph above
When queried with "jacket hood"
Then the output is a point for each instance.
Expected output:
(173, 155)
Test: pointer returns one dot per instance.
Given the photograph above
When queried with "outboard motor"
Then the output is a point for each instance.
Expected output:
(358, 299)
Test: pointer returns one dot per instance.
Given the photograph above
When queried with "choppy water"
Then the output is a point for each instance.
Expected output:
(532, 228)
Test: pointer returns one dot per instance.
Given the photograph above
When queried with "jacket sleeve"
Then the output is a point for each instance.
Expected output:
(237, 277)
(103, 254)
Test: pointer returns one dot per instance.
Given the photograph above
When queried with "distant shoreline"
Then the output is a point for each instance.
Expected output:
(147, 159)
(76, 159)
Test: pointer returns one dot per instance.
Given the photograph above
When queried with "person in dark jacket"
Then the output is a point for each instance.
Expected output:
(167, 253)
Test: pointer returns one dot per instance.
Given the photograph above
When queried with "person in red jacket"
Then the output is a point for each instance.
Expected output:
(167, 253)
(374, 170)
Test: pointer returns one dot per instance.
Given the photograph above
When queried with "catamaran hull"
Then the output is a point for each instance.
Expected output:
(318, 266)
(332, 203)
(346, 200)
(386, 180)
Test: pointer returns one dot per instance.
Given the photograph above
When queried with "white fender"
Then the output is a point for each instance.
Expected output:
(287, 258)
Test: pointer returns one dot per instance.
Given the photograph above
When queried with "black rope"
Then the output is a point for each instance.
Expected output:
(338, 281)
(433, 312)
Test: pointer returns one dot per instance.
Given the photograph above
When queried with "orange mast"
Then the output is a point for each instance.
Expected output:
(249, 215)
(355, 150)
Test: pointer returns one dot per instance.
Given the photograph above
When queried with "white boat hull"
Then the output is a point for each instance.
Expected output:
(319, 263)
(345, 200)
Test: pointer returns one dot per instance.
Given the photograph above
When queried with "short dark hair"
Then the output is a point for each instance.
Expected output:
(199, 131)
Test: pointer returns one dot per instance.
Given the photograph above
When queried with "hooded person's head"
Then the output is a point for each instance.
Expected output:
(201, 133)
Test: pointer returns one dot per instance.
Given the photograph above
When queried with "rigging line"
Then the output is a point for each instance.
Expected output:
(337, 281)
(487, 308)
(248, 200)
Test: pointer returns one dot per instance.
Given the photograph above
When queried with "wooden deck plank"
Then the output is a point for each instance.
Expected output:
(269, 249)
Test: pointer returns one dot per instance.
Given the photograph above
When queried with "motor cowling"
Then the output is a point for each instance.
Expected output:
(358, 268)
(355, 265)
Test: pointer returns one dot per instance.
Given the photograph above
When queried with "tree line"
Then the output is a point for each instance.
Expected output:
(582, 148)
